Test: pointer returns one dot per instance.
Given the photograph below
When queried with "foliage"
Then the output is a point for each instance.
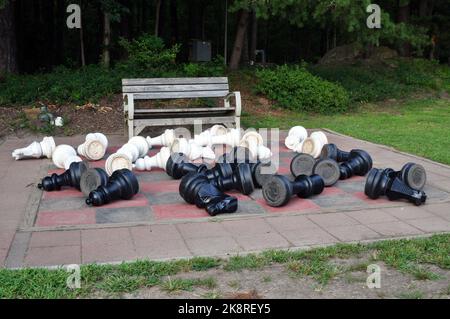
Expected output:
(293, 87)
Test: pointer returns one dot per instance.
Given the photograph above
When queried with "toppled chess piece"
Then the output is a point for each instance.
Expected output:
(381, 182)
(91, 179)
(165, 139)
(122, 184)
(333, 152)
(71, 177)
(206, 135)
(305, 164)
(295, 138)
(359, 163)
(191, 149)
(125, 156)
(157, 161)
(196, 189)
(241, 180)
(179, 165)
(64, 155)
(94, 147)
(278, 190)
(40, 149)
(313, 144)
(412, 174)
(231, 138)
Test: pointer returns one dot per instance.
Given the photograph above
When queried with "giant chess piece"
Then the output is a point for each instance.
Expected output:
(380, 182)
(278, 190)
(125, 156)
(359, 163)
(252, 140)
(191, 149)
(179, 165)
(40, 149)
(305, 164)
(241, 180)
(196, 189)
(165, 139)
(231, 138)
(94, 147)
(71, 177)
(333, 152)
(64, 155)
(215, 130)
(313, 144)
(122, 184)
(295, 138)
(91, 179)
(157, 161)
(412, 174)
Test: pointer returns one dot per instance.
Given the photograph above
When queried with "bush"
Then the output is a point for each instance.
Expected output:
(297, 89)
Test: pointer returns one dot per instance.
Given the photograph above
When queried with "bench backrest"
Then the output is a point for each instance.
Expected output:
(176, 88)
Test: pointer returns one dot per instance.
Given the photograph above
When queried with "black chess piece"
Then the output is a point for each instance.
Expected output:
(381, 182)
(71, 177)
(305, 164)
(122, 184)
(241, 179)
(92, 178)
(412, 174)
(359, 163)
(279, 189)
(195, 188)
(333, 152)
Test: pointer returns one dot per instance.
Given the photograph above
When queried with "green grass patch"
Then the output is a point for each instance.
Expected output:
(178, 284)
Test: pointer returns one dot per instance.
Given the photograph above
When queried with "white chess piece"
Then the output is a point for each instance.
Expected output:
(125, 156)
(203, 138)
(64, 155)
(313, 144)
(94, 147)
(295, 137)
(159, 160)
(191, 149)
(231, 138)
(165, 139)
(264, 153)
(141, 144)
(36, 149)
(252, 140)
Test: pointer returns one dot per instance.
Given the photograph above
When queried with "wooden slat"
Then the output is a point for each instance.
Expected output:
(184, 121)
(179, 95)
(152, 81)
(175, 88)
(190, 109)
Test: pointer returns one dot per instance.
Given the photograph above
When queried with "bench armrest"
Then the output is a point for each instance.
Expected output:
(237, 97)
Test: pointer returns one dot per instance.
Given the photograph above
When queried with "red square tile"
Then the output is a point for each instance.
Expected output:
(284, 170)
(56, 171)
(178, 211)
(285, 161)
(238, 195)
(171, 186)
(69, 217)
(294, 205)
(112, 149)
(332, 191)
(137, 200)
(97, 164)
(362, 196)
(353, 179)
(63, 193)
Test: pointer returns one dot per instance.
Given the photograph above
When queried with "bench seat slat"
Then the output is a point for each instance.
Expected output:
(188, 110)
(175, 88)
(179, 95)
(206, 80)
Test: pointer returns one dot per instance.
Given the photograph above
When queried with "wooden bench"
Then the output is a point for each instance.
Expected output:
(179, 88)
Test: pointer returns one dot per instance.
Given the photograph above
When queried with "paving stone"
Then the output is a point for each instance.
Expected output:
(72, 217)
(164, 198)
(3, 254)
(309, 236)
(351, 186)
(55, 238)
(178, 211)
(56, 204)
(142, 235)
(247, 227)
(122, 251)
(62, 194)
(286, 223)
(353, 233)
(163, 250)
(249, 207)
(262, 241)
(371, 216)
(123, 215)
(341, 201)
(395, 229)
(333, 220)
(153, 176)
(6, 237)
(137, 200)
(430, 225)
(53, 256)
(18, 249)
(434, 193)
(202, 230)
(105, 236)
(441, 210)
(295, 205)
(171, 186)
(408, 212)
(213, 246)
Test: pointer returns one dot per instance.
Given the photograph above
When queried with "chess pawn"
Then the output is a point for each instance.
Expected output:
(231, 138)
(191, 149)
(125, 156)
(159, 160)
(252, 140)
(141, 143)
(36, 149)
(64, 155)
(204, 138)
(94, 147)
(313, 144)
(165, 139)
(295, 138)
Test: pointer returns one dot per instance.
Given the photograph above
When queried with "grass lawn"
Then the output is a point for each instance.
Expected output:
(412, 257)
(420, 126)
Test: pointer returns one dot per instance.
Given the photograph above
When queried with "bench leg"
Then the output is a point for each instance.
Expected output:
(130, 129)
(238, 122)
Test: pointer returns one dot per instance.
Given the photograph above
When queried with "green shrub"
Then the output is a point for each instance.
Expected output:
(297, 89)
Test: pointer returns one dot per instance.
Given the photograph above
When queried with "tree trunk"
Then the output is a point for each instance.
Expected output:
(254, 37)
(403, 16)
(157, 14)
(8, 50)
(106, 39)
(174, 22)
(239, 40)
